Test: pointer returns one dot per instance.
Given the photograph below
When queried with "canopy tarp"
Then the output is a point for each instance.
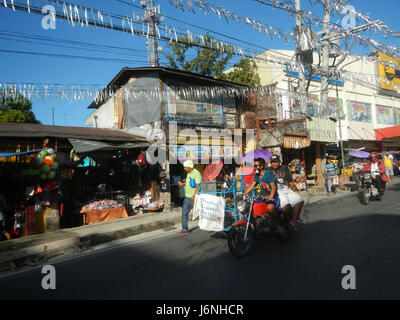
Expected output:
(82, 146)
(13, 154)
(359, 154)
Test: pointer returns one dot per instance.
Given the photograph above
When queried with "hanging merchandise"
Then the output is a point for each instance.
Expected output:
(74, 157)
(46, 164)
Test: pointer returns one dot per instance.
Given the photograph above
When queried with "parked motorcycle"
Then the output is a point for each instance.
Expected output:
(369, 190)
(255, 222)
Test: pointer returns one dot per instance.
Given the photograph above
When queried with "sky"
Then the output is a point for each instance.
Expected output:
(102, 53)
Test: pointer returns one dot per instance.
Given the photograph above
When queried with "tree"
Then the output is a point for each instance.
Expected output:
(244, 72)
(211, 62)
(208, 62)
(16, 109)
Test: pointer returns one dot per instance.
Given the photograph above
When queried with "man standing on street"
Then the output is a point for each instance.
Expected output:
(388, 162)
(192, 184)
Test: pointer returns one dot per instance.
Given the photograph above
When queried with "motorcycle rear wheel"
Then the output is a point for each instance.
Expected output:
(237, 246)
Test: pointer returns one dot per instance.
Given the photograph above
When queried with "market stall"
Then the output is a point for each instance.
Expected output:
(101, 211)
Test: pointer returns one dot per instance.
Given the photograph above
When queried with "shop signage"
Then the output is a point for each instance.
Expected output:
(185, 152)
(389, 76)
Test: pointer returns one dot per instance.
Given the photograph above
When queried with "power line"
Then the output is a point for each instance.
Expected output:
(71, 56)
(199, 27)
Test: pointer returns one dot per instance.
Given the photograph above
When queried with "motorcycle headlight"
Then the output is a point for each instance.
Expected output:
(367, 176)
(241, 206)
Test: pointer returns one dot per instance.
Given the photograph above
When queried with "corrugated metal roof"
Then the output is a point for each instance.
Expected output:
(8, 129)
(126, 73)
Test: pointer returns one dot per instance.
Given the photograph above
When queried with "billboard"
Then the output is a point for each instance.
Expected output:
(389, 72)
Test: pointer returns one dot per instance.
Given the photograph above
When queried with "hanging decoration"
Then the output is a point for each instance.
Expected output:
(72, 13)
(47, 165)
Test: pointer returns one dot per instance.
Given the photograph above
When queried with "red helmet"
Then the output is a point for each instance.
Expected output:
(373, 154)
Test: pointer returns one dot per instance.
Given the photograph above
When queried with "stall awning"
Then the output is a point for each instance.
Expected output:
(13, 154)
(387, 133)
(82, 146)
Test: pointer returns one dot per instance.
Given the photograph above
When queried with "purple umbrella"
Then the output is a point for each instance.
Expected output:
(259, 153)
(359, 154)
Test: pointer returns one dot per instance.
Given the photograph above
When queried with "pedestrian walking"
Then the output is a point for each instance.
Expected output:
(192, 184)
(388, 162)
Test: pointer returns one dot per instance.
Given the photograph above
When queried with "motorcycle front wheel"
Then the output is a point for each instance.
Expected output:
(364, 196)
(236, 242)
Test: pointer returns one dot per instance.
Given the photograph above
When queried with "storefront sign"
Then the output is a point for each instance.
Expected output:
(389, 76)
(217, 112)
(186, 152)
(211, 211)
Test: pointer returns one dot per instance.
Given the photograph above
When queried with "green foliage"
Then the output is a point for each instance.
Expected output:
(207, 62)
(211, 63)
(244, 72)
(18, 109)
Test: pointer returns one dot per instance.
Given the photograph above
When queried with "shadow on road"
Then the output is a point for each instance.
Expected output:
(199, 266)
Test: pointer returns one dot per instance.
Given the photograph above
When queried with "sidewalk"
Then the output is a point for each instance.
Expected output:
(29, 250)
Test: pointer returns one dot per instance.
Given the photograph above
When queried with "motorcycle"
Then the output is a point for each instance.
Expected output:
(255, 222)
(369, 190)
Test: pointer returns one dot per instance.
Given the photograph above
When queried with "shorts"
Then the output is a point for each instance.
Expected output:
(389, 171)
(289, 197)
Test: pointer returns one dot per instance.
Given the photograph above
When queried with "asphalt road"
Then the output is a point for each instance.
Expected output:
(335, 232)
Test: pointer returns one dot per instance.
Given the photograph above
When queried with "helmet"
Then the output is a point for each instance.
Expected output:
(373, 154)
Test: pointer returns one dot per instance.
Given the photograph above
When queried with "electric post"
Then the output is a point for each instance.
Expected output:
(299, 52)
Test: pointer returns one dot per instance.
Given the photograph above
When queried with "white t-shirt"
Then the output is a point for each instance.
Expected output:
(374, 169)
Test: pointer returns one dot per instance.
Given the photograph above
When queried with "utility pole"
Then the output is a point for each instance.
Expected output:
(52, 111)
(325, 56)
(302, 78)
(151, 17)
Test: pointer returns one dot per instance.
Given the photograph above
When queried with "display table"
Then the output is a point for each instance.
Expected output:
(96, 216)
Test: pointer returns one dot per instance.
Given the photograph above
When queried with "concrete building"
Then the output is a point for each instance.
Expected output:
(366, 99)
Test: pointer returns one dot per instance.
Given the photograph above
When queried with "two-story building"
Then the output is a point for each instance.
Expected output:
(184, 115)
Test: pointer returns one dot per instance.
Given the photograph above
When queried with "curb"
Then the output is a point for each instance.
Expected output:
(15, 254)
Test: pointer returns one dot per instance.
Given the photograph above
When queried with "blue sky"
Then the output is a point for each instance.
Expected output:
(27, 68)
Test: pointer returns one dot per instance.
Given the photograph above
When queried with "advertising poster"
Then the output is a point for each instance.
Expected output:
(359, 111)
(312, 110)
(385, 115)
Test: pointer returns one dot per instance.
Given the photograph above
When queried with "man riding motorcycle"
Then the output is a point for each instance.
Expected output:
(378, 171)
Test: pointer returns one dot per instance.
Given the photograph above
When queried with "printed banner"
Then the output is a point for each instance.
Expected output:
(389, 77)
(211, 211)
(359, 111)
(385, 115)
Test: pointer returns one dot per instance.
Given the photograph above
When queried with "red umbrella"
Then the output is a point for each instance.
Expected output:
(212, 170)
